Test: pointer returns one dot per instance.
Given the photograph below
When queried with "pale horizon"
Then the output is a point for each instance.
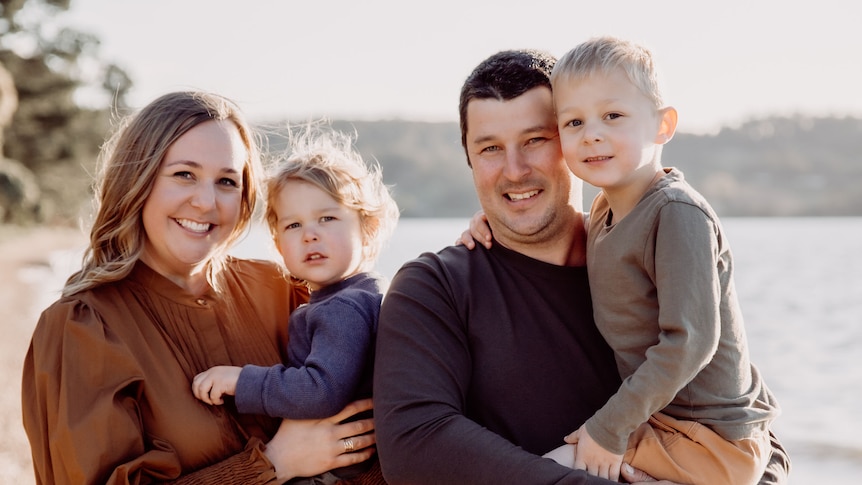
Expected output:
(721, 64)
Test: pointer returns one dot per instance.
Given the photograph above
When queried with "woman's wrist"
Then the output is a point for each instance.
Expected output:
(272, 453)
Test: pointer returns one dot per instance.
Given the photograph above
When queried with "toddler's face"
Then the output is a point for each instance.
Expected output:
(319, 238)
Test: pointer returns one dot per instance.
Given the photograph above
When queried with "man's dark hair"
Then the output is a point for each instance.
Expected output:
(504, 76)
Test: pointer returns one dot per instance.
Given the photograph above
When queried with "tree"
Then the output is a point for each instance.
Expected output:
(51, 133)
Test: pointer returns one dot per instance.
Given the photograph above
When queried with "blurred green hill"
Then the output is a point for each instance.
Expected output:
(797, 166)
(779, 166)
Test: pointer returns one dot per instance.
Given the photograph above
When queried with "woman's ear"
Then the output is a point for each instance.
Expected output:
(667, 125)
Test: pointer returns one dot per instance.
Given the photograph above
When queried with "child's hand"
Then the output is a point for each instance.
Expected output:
(210, 385)
(479, 230)
(590, 456)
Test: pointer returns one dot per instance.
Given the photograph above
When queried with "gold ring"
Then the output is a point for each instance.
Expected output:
(349, 446)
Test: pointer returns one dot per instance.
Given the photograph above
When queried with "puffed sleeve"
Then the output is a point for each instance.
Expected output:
(81, 403)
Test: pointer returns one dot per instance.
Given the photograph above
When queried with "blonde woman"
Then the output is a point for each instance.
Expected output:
(106, 385)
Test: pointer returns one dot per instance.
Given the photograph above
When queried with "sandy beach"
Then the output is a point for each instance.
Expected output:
(26, 265)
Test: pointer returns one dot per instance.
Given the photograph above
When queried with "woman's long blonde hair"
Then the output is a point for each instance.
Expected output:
(128, 166)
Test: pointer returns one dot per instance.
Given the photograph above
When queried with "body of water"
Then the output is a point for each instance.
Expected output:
(800, 287)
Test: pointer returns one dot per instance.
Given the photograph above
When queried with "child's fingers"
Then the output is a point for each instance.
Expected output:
(205, 396)
(467, 243)
(580, 464)
(202, 388)
(614, 471)
(466, 239)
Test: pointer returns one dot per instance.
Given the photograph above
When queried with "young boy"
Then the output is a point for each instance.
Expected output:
(329, 214)
(692, 408)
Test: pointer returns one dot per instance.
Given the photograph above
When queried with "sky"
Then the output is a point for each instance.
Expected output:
(721, 63)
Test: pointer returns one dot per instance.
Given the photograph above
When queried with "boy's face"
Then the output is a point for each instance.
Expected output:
(610, 132)
(319, 239)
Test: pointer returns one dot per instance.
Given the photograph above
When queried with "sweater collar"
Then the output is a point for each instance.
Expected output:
(366, 280)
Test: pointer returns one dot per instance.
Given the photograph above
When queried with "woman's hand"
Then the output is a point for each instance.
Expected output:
(308, 447)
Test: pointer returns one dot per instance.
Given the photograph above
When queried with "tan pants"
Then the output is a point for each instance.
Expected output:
(691, 453)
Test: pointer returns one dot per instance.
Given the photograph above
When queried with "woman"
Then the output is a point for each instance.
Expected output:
(106, 388)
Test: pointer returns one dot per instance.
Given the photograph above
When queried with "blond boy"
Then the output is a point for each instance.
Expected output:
(691, 408)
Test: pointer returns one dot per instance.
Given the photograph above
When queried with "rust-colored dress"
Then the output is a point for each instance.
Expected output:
(107, 380)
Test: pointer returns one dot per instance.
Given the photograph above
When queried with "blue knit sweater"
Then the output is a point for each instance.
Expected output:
(330, 355)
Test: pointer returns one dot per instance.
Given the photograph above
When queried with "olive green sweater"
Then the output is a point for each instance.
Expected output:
(664, 299)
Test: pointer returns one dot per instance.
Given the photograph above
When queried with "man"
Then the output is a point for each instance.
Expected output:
(486, 358)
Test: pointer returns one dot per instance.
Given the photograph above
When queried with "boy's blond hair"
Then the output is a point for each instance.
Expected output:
(325, 158)
(604, 54)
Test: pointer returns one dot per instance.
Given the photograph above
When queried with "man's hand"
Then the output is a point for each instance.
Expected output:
(592, 457)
